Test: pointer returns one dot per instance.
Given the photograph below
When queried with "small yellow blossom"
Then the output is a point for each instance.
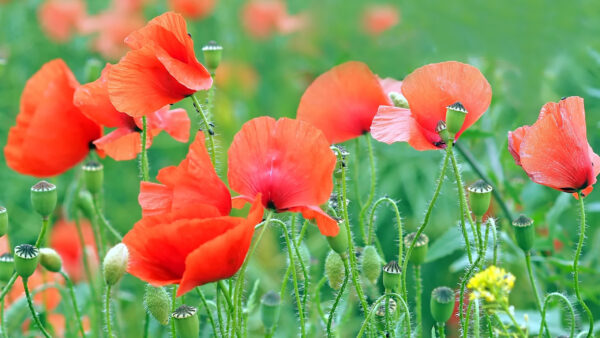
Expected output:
(492, 285)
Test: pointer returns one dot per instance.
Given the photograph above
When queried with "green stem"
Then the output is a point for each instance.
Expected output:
(74, 300)
(489, 324)
(418, 298)
(146, 324)
(441, 330)
(356, 170)
(495, 245)
(399, 299)
(538, 302)
(208, 311)
(97, 303)
(365, 207)
(104, 222)
(144, 168)
(219, 314)
(569, 306)
(206, 126)
(476, 319)
(467, 322)
(2, 326)
(338, 297)
(107, 312)
(295, 278)
(576, 266)
(8, 285)
(42, 234)
(513, 320)
(36, 319)
(230, 308)
(371, 231)
(409, 250)
(317, 298)
(502, 326)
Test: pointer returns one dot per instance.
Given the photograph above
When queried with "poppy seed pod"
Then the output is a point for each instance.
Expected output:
(93, 176)
(419, 251)
(50, 259)
(93, 68)
(186, 321)
(43, 198)
(442, 304)
(391, 276)
(85, 203)
(269, 309)
(380, 312)
(3, 221)
(115, 263)
(334, 270)
(442, 130)
(7, 267)
(370, 263)
(26, 259)
(455, 117)
(339, 242)
(213, 52)
(524, 232)
(480, 196)
(158, 303)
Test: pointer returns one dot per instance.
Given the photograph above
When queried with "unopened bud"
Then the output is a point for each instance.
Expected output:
(480, 195)
(339, 242)
(391, 276)
(269, 309)
(442, 304)
(7, 267)
(115, 263)
(3, 221)
(419, 251)
(26, 259)
(158, 303)
(50, 259)
(455, 117)
(43, 198)
(524, 232)
(398, 100)
(85, 203)
(213, 53)
(370, 263)
(93, 176)
(186, 321)
(334, 270)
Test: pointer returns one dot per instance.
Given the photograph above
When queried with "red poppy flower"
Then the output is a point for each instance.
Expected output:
(289, 163)
(343, 101)
(161, 69)
(193, 182)
(195, 9)
(60, 18)
(51, 135)
(554, 151)
(125, 143)
(379, 18)
(429, 90)
(65, 240)
(262, 18)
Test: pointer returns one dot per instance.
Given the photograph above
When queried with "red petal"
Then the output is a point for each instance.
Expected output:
(393, 124)
(175, 122)
(515, 138)
(327, 225)
(390, 85)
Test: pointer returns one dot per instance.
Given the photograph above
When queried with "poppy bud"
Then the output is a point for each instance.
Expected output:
(455, 117)
(524, 232)
(339, 243)
(158, 303)
(7, 267)
(186, 321)
(442, 304)
(93, 176)
(26, 259)
(269, 309)
(85, 203)
(334, 270)
(3, 221)
(92, 70)
(398, 99)
(441, 129)
(43, 198)
(50, 259)
(115, 263)
(419, 251)
(370, 263)
(213, 53)
(391, 276)
(480, 195)
(380, 312)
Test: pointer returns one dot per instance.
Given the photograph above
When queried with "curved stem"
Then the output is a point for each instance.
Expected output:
(371, 230)
(538, 302)
(36, 319)
(294, 278)
(105, 223)
(42, 234)
(337, 298)
(8, 285)
(144, 168)
(418, 302)
(514, 321)
(107, 312)
(206, 126)
(502, 326)
(365, 207)
(569, 306)
(74, 300)
(208, 311)
(399, 299)
(576, 266)
(465, 327)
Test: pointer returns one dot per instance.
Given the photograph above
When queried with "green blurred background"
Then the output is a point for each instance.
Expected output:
(531, 52)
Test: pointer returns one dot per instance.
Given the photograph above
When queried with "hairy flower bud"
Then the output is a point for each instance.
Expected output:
(50, 259)
(524, 232)
(85, 203)
(339, 243)
(370, 263)
(442, 304)
(186, 321)
(115, 263)
(334, 270)
(26, 259)
(93, 176)
(158, 303)
(43, 198)
(269, 309)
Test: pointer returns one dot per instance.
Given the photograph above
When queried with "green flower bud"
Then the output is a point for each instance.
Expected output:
(186, 321)
(50, 259)
(441, 129)
(455, 117)
(442, 304)
(524, 232)
(370, 263)
(3, 221)
(269, 309)
(115, 263)
(398, 100)
(43, 198)
(334, 270)
(480, 196)
(26, 259)
(93, 176)
(7, 267)
(339, 151)
(92, 70)
(213, 53)
(158, 303)
(339, 242)
(85, 203)
(419, 251)
(391, 276)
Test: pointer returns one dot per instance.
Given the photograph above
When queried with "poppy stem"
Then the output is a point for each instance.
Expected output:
(538, 302)
(513, 320)
(208, 311)
(88, 274)
(8, 285)
(74, 300)
(365, 207)
(576, 266)
(371, 230)
(569, 306)
(294, 278)
(338, 297)
(418, 300)
(317, 298)
(206, 125)
(105, 223)
(42, 234)
(400, 300)
(441, 330)
(107, 311)
(174, 305)
(34, 314)
(144, 169)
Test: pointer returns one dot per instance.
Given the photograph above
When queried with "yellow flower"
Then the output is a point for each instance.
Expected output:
(493, 285)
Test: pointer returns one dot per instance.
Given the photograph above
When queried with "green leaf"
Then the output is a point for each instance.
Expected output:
(445, 245)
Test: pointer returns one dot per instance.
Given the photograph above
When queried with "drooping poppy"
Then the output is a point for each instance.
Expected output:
(263, 18)
(377, 19)
(59, 19)
(160, 69)
(194, 9)
(289, 163)
(125, 143)
(193, 182)
(343, 101)
(554, 151)
(429, 90)
(51, 134)
(64, 238)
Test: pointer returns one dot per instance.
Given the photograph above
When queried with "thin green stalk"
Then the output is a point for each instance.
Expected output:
(514, 321)
(173, 306)
(317, 298)
(489, 324)
(576, 266)
(371, 231)
(107, 312)
(144, 167)
(8, 285)
(208, 311)
(387, 315)
(207, 126)
(294, 278)
(400, 301)
(502, 326)
(219, 314)
(465, 327)
(74, 300)
(479, 238)
(100, 215)
(441, 330)
(495, 246)
(97, 313)
(2, 326)
(418, 300)
(538, 302)
(409, 250)
(36, 319)
(338, 297)
(355, 172)
(365, 207)
(146, 324)
(569, 306)
(230, 308)
(42, 234)
(476, 319)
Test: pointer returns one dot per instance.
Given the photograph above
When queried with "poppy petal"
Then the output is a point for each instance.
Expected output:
(390, 85)
(175, 122)
(326, 224)
(515, 138)
(392, 124)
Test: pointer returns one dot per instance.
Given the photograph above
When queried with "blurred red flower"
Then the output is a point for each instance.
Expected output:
(51, 135)
(554, 151)
(125, 143)
(194, 9)
(263, 18)
(377, 19)
(64, 238)
(289, 163)
(233, 75)
(429, 90)
(49, 298)
(59, 19)
(160, 69)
